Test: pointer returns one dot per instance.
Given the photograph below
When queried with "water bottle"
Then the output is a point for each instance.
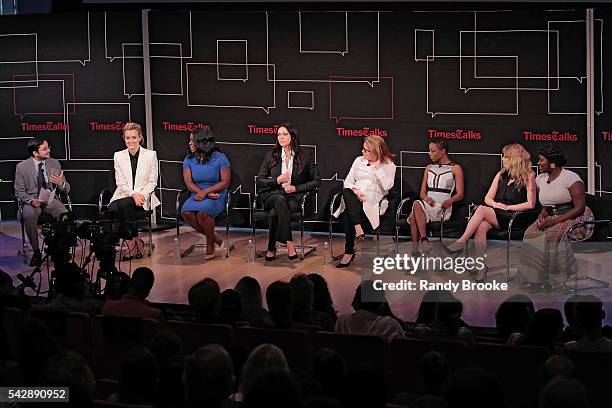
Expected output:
(250, 255)
(177, 249)
(326, 253)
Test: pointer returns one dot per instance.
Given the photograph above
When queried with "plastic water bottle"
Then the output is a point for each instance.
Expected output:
(177, 249)
(326, 253)
(250, 255)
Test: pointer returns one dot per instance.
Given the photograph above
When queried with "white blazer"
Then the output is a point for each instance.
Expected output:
(146, 176)
(373, 183)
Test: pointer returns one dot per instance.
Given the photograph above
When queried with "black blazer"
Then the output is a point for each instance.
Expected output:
(304, 179)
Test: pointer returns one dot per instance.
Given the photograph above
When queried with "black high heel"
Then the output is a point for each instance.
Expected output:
(342, 265)
(270, 258)
(292, 257)
(453, 251)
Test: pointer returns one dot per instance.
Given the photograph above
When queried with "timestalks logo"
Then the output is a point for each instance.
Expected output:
(363, 132)
(458, 134)
(48, 126)
(553, 136)
(183, 127)
(116, 126)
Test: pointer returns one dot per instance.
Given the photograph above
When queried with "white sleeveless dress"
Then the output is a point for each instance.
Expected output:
(440, 187)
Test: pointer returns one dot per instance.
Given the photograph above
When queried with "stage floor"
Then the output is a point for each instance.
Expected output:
(173, 278)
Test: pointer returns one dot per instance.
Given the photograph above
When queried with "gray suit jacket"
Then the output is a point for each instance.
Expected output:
(26, 184)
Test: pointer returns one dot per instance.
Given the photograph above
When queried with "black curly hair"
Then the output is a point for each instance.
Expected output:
(553, 154)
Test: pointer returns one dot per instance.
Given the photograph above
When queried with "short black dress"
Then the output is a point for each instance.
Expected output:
(508, 194)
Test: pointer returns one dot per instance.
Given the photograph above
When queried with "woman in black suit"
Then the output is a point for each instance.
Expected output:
(284, 176)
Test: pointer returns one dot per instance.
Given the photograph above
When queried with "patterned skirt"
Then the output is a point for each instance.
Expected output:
(547, 256)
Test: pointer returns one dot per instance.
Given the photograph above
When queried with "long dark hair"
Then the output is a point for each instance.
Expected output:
(295, 147)
(204, 142)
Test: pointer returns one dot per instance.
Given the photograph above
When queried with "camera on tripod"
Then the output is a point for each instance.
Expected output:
(60, 236)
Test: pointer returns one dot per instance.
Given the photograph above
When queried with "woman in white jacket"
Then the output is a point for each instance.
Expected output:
(371, 177)
(136, 175)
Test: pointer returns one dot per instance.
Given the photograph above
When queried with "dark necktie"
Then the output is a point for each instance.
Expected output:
(41, 177)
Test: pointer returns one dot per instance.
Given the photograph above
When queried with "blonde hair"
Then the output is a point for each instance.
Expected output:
(378, 146)
(519, 164)
(132, 126)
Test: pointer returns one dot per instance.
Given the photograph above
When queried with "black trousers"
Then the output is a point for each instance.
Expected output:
(353, 214)
(126, 210)
(280, 223)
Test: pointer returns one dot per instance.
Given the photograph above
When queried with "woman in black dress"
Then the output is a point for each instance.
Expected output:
(513, 189)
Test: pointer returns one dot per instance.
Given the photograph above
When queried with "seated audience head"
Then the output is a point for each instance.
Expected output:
(329, 369)
(434, 371)
(204, 297)
(279, 297)
(513, 315)
(302, 289)
(165, 345)
(557, 366)
(208, 377)
(138, 378)
(563, 393)
(545, 326)
(569, 310)
(263, 357)
(590, 313)
(230, 306)
(250, 295)
(274, 388)
(70, 369)
(321, 298)
(427, 309)
(368, 298)
(474, 388)
(141, 282)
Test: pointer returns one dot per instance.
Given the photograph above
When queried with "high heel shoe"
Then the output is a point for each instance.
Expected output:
(452, 250)
(483, 277)
(270, 258)
(292, 257)
(344, 265)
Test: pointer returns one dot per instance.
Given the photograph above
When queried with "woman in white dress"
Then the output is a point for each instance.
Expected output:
(441, 178)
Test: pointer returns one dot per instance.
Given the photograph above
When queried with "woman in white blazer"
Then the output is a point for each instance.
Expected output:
(371, 177)
(136, 174)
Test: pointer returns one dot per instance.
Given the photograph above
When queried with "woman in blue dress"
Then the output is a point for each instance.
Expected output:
(207, 174)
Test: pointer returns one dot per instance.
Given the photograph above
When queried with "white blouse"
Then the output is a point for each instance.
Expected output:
(557, 191)
(374, 183)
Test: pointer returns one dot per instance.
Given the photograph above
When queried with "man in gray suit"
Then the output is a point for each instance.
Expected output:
(31, 175)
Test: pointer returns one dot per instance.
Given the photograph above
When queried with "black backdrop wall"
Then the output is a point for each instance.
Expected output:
(481, 78)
